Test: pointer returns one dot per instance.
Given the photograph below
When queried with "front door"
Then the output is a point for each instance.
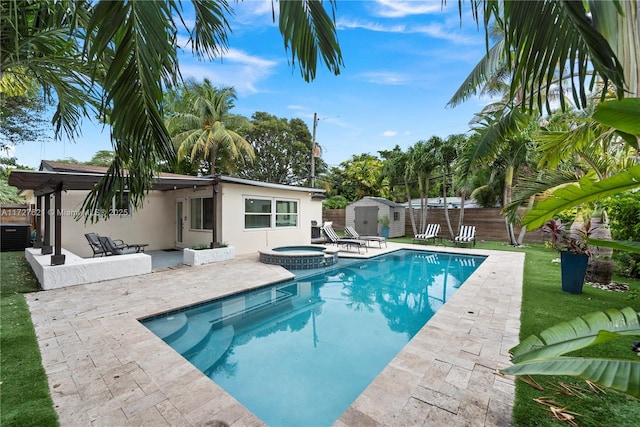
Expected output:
(179, 222)
(366, 218)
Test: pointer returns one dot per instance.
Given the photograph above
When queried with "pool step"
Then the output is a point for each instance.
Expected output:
(198, 327)
(212, 348)
(168, 328)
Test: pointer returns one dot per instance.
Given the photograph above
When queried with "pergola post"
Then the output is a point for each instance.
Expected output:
(37, 244)
(214, 219)
(46, 244)
(58, 258)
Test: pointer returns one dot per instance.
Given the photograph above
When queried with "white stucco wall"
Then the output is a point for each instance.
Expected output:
(155, 223)
(150, 225)
(251, 240)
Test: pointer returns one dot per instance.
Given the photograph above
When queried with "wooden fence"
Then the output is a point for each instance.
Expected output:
(490, 225)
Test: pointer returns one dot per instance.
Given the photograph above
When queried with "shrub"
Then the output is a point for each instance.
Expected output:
(624, 221)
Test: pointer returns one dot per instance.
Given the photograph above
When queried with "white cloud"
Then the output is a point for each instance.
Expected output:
(386, 78)
(237, 68)
(389, 133)
(371, 26)
(435, 30)
(399, 9)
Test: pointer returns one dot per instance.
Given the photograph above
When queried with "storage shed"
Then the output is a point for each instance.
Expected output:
(365, 216)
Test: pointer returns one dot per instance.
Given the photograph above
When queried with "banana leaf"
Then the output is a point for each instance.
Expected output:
(584, 191)
(542, 355)
(621, 375)
(574, 334)
(622, 245)
(622, 114)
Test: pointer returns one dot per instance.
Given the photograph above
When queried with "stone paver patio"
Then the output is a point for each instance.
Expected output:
(106, 369)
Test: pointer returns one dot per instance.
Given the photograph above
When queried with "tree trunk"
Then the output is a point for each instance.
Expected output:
(463, 195)
(446, 208)
(506, 199)
(600, 268)
(411, 215)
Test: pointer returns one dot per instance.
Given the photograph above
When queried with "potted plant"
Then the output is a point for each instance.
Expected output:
(574, 254)
(384, 226)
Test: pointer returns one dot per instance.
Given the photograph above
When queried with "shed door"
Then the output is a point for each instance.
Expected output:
(366, 220)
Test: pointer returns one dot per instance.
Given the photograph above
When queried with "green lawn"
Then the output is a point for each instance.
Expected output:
(25, 396)
(24, 392)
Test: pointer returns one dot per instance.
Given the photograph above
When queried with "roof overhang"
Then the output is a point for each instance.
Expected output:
(46, 182)
(222, 179)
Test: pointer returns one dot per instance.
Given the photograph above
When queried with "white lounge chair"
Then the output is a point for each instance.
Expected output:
(352, 233)
(467, 235)
(333, 237)
(430, 233)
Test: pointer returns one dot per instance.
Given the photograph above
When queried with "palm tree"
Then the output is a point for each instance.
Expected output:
(114, 59)
(202, 133)
(541, 39)
(503, 142)
(420, 163)
(446, 153)
(574, 42)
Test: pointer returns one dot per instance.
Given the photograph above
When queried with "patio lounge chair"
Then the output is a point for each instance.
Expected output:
(96, 246)
(333, 237)
(430, 232)
(467, 235)
(111, 248)
(353, 234)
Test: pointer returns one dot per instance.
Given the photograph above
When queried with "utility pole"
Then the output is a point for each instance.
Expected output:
(313, 150)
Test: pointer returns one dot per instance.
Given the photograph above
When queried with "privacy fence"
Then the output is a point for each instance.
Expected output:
(490, 225)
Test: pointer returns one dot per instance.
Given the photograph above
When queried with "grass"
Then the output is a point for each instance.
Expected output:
(544, 305)
(25, 393)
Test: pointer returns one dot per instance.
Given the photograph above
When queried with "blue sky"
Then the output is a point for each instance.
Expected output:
(403, 61)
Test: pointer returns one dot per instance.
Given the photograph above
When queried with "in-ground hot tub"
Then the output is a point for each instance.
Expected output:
(300, 257)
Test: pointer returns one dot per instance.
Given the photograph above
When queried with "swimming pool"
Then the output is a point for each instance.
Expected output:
(299, 352)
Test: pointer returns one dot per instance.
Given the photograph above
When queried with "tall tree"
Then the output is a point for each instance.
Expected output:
(421, 162)
(102, 158)
(282, 148)
(202, 133)
(115, 58)
(446, 153)
(23, 117)
(504, 142)
(394, 163)
(549, 46)
(358, 177)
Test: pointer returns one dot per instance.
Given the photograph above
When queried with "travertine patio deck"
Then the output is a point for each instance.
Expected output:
(106, 369)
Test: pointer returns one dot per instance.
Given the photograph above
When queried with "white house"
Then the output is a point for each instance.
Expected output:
(177, 213)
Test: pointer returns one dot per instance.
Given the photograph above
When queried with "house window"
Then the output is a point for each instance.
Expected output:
(269, 213)
(286, 213)
(120, 204)
(201, 213)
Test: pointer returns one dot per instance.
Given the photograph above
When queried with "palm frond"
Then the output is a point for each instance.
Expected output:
(308, 32)
(537, 187)
(585, 191)
(480, 74)
(547, 41)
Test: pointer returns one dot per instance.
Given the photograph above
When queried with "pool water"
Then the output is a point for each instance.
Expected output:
(300, 352)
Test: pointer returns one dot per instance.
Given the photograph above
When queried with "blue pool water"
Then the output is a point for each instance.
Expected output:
(299, 353)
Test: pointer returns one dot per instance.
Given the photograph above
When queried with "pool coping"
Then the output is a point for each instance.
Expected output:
(105, 368)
